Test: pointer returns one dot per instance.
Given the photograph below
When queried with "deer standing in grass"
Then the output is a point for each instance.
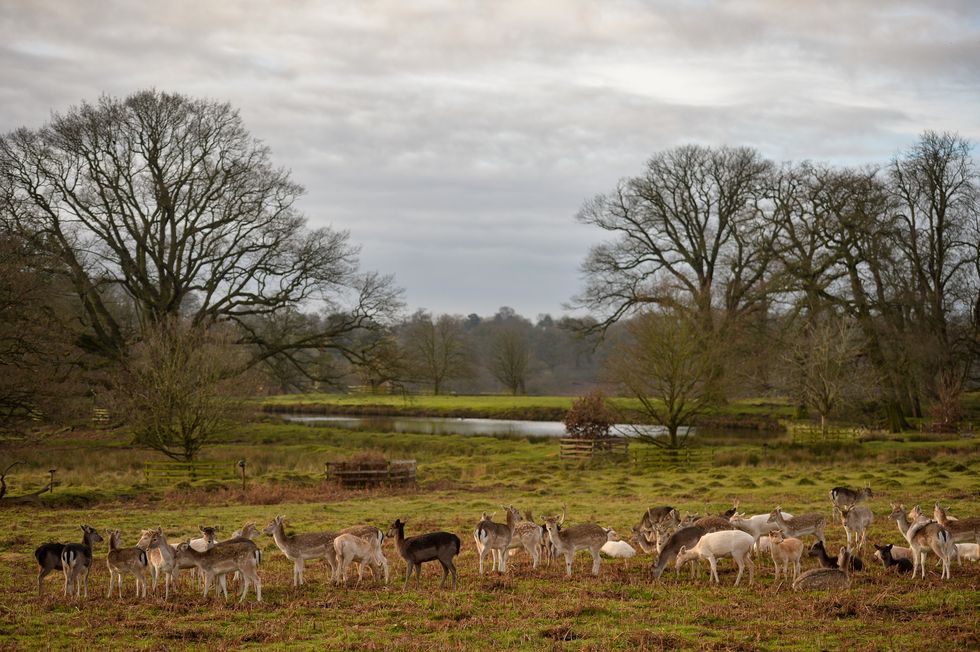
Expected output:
(843, 498)
(856, 520)
(528, 535)
(48, 555)
(125, 561)
(923, 535)
(300, 547)
(801, 525)
(350, 548)
(714, 545)
(964, 530)
(162, 556)
(494, 539)
(433, 546)
(76, 560)
(786, 551)
(569, 540)
(240, 555)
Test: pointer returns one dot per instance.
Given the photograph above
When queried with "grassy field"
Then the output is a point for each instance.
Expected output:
(623, 608)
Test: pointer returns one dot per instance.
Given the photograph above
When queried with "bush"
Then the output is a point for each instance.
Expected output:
(590, 417)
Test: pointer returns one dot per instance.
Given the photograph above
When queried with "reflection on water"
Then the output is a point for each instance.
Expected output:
(451, 426)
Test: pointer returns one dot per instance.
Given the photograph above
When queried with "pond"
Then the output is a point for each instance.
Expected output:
(457, 426)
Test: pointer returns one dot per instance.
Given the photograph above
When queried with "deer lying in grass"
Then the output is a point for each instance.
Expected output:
(785, 551)
(494, 538)
(856, 521)
(434, 546)
(825, 578)
(901, 564)
(300, 547)
(715, 545)
(240, 555)
(569, 540)
(617, 548)
(162, 556)
(76, 560)
(799, 526)
(965, 530)
(350, 548)
(125, 561)
(843, 498)
(923, 535)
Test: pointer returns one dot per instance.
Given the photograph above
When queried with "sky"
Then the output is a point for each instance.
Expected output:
(457, 140)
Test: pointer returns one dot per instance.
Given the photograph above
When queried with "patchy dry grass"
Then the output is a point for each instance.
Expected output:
(528, 609)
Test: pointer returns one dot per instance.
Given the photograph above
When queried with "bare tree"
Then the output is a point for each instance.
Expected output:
(686, 235)
(168, 202)
(669, 367)
(509, 359)
(436, 349)
(175, 389)
(827, 367)
(936, 183)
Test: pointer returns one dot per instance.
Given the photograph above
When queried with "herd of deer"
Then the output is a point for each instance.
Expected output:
(661, 531)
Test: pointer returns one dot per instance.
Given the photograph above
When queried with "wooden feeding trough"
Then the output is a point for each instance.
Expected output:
(360, 474)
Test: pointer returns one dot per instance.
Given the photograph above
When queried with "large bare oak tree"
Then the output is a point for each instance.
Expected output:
(159, 204)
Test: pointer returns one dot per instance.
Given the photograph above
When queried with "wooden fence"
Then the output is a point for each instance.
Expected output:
(100, 418)
(574, 448)
(814, 436)
(173, 471)
(397, 473)
(672, 458)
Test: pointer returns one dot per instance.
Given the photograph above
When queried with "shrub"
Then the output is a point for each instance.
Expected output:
(590, 417)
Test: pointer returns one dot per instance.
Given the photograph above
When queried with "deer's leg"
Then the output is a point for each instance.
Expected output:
(445, 573)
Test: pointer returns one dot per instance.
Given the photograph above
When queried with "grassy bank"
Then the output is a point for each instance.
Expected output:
(459, 478)
(760, 414)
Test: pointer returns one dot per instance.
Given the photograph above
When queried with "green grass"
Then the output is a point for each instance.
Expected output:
(459, 478)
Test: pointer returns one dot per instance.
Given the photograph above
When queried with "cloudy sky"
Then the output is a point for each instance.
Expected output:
(456, 140)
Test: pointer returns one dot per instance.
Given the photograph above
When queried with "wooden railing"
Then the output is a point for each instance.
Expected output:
(574, 448)
(397, 473)
(814, 436)
(100, 418)
(179, 471)
(672, 458)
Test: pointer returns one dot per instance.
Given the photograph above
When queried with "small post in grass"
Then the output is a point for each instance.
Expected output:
(51, 481)
(241, 465)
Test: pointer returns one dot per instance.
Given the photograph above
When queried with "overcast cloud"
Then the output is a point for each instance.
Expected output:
(456, 140)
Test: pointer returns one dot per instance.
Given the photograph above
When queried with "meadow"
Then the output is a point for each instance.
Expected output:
(100, 483)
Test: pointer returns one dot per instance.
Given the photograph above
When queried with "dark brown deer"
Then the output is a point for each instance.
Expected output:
(434, 546)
